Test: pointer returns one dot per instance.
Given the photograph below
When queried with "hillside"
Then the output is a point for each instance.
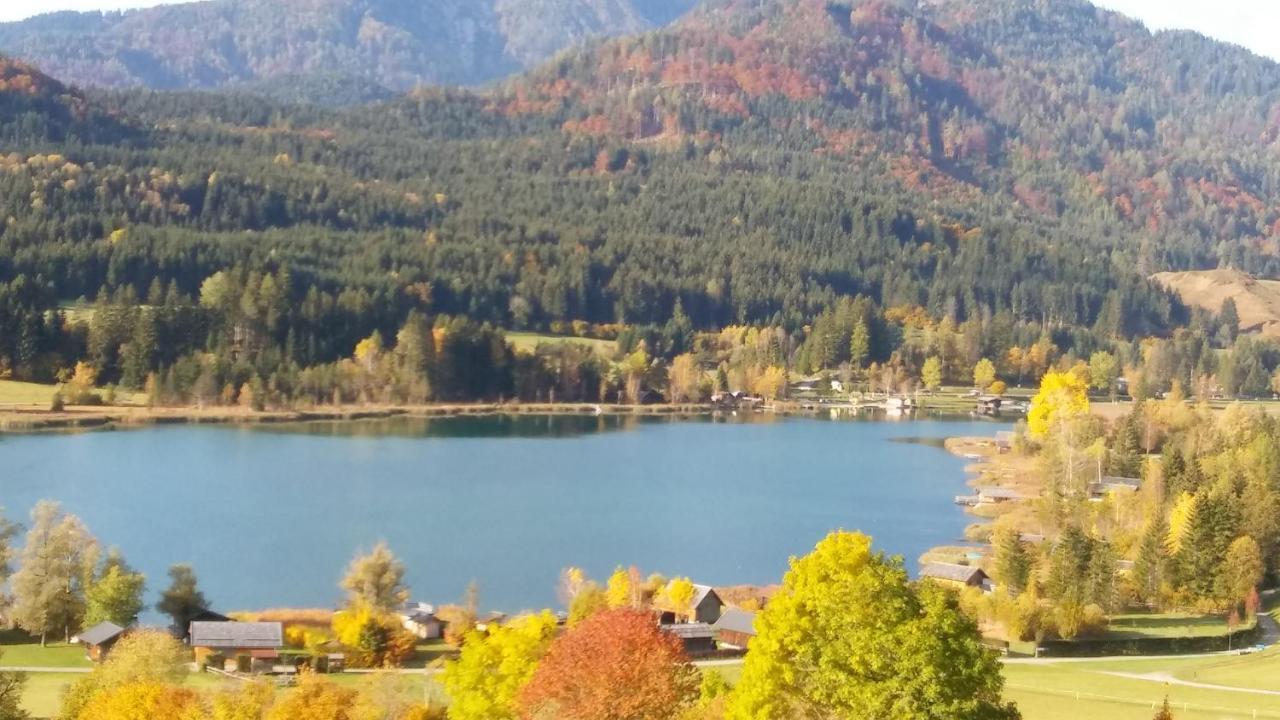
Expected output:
(1257, 301)
(394, 43)
(1022, 165)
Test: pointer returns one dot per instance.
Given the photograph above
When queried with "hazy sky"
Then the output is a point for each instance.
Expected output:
(1251, 23)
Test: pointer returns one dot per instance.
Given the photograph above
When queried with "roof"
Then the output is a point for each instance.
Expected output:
(955, 573)
(1000, 492)
(700, 593)
(100, 633)
(689, 631)
(737, 621)
(246, 635)
(1126, 481)
(421, 618)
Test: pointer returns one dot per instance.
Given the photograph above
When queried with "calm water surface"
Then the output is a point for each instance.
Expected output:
(270, 516)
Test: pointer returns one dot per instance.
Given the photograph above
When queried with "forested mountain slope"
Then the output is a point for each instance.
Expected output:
(1019, 164)
(393, 43)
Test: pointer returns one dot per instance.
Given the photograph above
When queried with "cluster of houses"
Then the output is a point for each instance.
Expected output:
(216, 640)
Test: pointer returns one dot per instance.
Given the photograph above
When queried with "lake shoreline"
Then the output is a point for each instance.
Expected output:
(130, 417)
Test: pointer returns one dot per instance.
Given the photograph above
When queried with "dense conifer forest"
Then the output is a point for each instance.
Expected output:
(1010, 172)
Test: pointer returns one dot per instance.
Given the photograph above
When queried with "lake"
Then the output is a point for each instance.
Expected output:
(270, 515)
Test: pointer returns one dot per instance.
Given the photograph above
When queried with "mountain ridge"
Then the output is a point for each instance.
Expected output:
(394, 43)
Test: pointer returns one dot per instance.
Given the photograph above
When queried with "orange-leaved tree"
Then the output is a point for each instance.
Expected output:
(615, 664)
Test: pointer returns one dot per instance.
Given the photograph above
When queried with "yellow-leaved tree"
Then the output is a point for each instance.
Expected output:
(676, 596)
(1062, 398)
(621, 590)
(492, 668)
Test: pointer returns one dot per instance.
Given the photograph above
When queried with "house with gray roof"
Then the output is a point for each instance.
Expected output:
(955, 575)
(735, 628)
(99, 639)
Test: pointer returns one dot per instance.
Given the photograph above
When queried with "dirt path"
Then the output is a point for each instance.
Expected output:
(1169, 679)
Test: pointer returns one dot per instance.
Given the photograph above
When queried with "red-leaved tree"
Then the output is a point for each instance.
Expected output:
(615, 665)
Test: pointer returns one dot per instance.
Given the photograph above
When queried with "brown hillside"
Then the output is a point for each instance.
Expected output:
(1257, 301)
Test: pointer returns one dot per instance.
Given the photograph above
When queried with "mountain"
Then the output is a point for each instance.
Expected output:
(395, 43)
(1019, 164)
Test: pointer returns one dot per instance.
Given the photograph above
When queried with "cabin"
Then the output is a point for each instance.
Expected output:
(182, 631)
(989, 405)
(1110, 485)
(1004, 442)
(956, 575)
(258, 642)
(99, 639)
(420, 620)
(997, 495)
(705, 607)
(696, 638)
(735, 628)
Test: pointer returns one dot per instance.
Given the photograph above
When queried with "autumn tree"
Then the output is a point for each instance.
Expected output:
(984, 373)
(115, 595)
(484, 680)
(931, 374)
(848, 635)
(616, 664)
(1242, 570)
(376, 579)
(143, 657)
(57, 566)
(315, 698)
(1062, 398)
(621, 591)
(1104, 371)
(142, 700)
(684, 379)
(182, 600)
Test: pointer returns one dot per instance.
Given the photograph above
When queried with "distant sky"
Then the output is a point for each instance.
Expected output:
(1251, 23)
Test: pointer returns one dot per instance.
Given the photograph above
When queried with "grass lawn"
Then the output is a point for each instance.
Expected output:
(1084, 690)
(43, 695)
(22, 393)
(527, 342)
(1140, 625)
(17, 649)
(430, 651)
(33, 395)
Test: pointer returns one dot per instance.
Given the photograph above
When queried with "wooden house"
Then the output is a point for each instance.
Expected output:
(705, 607)
(697, 638)
(956, 575)
(99, 639)
(735, 628)
(1111, 485)
(260, 642)
(421, 620)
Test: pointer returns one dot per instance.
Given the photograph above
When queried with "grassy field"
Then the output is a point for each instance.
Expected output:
(1062, 691)
(1139, 625)
(17, 649)
(35, 396)
(527, 342)
(21, 393)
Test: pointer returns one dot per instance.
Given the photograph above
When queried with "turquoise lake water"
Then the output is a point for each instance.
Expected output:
(270, 516)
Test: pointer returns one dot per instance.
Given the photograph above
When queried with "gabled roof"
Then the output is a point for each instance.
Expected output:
(700, 593)
(1000, 492)
(955, 573)
(737, 621)
(689, 631)
(100, 633)
(245, 635)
